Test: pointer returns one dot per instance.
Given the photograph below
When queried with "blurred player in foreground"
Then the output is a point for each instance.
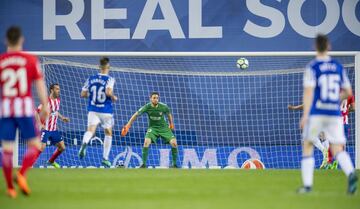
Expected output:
(324, 78)
(18, 71)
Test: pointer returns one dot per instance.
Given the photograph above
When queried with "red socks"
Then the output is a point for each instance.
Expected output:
(7, 168)
(55, 155)
(330, 157)
(29, 159)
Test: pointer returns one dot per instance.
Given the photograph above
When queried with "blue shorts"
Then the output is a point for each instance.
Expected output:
(26, 125)
(347, 131)
(53, 136)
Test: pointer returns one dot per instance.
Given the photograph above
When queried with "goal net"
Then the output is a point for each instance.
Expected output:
(223, 115)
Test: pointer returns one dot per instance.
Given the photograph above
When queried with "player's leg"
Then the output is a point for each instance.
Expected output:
(59, 143)
(150, 136)
(169, 138)
(93, 121)
(330, 160)
(30, 133)
(335, 163)
(320, 146)
(107, 122)
(145, 151)
(44, 137)
(307, 166)
(337, 140)
(310, 134)
(347, 131)
(7, 136)
(7, 166)
(174, 152)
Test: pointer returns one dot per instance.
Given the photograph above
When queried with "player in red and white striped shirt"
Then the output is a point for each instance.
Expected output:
(49, 130)
(347, 106)
(18, 71)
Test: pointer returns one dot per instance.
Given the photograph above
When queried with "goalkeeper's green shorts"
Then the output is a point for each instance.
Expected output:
(165, 133)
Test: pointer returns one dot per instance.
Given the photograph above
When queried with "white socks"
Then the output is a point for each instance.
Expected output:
(87, 136)
(345, 162)
(307, 171)
(107, 147)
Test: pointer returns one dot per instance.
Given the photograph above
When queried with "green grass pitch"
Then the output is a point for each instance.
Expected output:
(179, 189)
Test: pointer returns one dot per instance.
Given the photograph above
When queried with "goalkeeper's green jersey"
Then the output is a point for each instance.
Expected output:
(156, 114)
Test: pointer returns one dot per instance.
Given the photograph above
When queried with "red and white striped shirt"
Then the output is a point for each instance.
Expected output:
(51, 122)
(18, 70)
(344, 108)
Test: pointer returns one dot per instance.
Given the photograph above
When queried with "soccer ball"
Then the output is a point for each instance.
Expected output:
(242, 63)
(120, 164)
(253, 164)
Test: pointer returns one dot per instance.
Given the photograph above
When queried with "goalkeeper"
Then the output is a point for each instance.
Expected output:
(158, 127)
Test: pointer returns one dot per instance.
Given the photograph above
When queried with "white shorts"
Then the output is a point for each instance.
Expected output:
(105, 119)
(332, 126)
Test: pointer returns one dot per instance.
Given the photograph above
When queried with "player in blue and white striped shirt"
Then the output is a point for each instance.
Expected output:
(325, 85)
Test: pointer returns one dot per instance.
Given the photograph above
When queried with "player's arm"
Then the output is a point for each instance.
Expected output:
(307, 100)
(132, 119)
(109, 89)
(126, 128)
(352, 104)
(345, 93)
(37, 118)
(110, 93)
(346, 90)
(63, 118)
(352, 107)
(85, 90)
(296, 107)
(40, 87)
(171, 121)
(309, 82)
(41, 90)
(170, 117)
(84, 94)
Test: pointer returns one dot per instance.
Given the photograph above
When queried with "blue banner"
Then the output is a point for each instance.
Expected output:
(284, 157)
(196, 25)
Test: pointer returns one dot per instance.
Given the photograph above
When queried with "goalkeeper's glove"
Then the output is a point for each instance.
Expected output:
(125, 130)
(171, 126)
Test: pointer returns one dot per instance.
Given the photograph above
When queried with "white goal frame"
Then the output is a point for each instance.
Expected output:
(356, 54)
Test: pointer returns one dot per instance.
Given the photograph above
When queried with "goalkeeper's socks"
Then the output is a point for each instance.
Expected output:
(307, 170)
(345, 162)
(87, 136)
(107, 147)
(174, 153)
(145, 153)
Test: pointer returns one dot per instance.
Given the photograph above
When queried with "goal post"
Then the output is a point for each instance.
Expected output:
(357, 112)
(223, 115)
